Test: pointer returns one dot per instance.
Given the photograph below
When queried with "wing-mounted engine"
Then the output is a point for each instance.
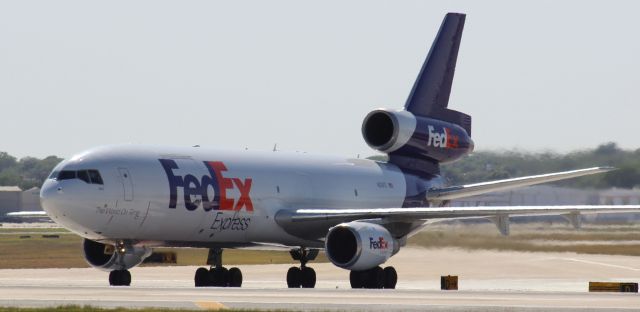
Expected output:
(359, 245)
(104, 257)
(400, 133)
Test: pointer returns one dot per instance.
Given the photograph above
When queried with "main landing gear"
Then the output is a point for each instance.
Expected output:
(374, 278)
(217, 275)
(120, 278)
(302, 276)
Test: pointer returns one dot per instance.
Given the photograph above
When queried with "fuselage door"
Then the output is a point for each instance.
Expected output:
(127, 183)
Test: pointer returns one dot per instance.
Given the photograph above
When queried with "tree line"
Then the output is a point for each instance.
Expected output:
(26, 172)
(491, 165)
(479, 166)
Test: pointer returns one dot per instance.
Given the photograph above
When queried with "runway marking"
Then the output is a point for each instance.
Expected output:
(602, 264)
(210, 305)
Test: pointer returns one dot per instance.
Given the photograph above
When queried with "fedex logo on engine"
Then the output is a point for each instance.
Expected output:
(379, 243)
(196, 190)
(444, 139)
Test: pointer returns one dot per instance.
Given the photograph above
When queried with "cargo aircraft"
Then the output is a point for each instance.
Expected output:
(125, 200)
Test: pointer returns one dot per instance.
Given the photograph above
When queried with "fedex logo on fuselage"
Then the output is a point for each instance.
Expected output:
(379, 243)
(445, 139)
(193, 186)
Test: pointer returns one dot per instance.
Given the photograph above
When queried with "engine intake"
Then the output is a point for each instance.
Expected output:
(104, 257)
(359, 245)
(387, 130)
(400, 133)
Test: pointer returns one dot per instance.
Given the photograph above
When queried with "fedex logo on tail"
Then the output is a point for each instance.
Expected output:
(379, 243)
(444, 139)
(199, 187)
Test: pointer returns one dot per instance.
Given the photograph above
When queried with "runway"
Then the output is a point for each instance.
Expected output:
(489, 281)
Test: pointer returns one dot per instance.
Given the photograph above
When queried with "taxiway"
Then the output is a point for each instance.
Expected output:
(489, 280)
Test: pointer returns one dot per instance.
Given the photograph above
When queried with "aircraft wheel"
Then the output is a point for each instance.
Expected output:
(119, 278)
(375, 278)
(356, 278)
(126, 278)
(390, 277)
(234, 277)
(219, 277)
(201, 279)
(114, 278)
(308, 277)
(294, 277)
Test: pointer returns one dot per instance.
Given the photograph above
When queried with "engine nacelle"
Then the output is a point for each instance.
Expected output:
(359, 245)
(403, 134)
(104, 257)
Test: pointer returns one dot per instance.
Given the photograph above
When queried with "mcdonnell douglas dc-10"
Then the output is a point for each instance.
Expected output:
(125, 200)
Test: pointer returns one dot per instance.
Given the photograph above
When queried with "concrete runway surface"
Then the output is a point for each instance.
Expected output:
(489, 281)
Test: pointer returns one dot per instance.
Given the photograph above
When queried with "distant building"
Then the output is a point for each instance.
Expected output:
(538, 195)
(616, 196)
(10, 199)
(543, 195)
(31, 200)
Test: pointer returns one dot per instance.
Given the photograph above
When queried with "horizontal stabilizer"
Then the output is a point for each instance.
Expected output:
(461, 191)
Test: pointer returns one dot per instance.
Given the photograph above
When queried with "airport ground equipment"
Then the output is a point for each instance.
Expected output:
(613, 287)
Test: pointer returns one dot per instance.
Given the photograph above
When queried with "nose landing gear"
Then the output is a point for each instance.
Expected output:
(120, 278)
(217, 275)
(302, 276)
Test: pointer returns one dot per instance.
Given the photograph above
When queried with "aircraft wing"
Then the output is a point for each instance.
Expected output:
(27, 214)
(454, 212)
(498, 214)
(454, 192)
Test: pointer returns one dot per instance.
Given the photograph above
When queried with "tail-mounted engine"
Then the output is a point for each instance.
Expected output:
(400, 133)
(359, 245)
(104, 257)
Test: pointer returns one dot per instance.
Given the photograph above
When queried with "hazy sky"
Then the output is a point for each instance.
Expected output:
(534, 75)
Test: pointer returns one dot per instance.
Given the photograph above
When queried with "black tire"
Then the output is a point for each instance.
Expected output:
(201, 279)
(234, 277)
(114, 278)
(308, 277)
(294, 277)
(356, 278)
(375, 278)
(390, 277)
(119, 278)
(125, 276)
(219, 277)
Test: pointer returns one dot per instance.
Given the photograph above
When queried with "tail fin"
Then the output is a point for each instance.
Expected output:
(430, 94)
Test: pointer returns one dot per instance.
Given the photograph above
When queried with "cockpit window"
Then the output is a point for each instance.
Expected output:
(66, 175)
(84, 176)
(91, 176)
(95, 177)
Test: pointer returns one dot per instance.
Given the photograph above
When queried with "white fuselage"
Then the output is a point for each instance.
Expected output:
(232, 197)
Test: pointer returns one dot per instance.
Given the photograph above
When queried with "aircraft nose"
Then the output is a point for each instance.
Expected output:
(49, 197)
